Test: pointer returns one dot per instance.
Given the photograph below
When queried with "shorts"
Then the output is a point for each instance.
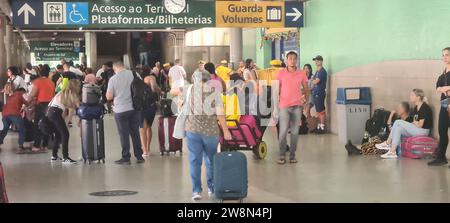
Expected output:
(148, 116)
(319, 103)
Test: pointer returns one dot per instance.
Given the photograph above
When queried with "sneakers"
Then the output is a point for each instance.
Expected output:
(123, 162)
(389, 155)
(69, 161)
(438, 162)
(57, 158)
(383, 146)
(196, 196)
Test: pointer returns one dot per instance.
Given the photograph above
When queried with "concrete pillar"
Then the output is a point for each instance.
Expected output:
(8, 45)
(2, 45)
(91, 49)
(235, 46)
(179, 45)
(3, 66)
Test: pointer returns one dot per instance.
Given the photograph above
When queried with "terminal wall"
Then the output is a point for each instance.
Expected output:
(390, 82)
(349, 33)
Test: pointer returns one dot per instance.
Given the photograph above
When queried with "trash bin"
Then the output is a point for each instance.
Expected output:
(353, 110)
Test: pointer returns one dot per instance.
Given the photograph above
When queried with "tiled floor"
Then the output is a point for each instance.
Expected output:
(324, 174)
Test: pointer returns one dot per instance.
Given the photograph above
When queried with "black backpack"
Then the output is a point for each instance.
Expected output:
(142, 95)
(379, 121)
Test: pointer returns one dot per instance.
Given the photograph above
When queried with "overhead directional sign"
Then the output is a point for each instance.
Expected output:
(55, 50)
(144, 14)
(294, 14)
(26, 10)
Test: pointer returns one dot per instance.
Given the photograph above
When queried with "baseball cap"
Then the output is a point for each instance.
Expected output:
(318, 57)
(201, 62)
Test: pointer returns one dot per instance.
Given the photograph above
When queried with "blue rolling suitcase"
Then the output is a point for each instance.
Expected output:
(230, 176)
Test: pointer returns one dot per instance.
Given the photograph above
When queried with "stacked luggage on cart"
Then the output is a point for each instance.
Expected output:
(92, 128)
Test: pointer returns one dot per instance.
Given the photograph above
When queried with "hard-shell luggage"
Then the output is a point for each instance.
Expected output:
(167, 143)
(91, 94)
(89, 112)
(3, 196)
(93, 140)
(230, 176)
(419, 147)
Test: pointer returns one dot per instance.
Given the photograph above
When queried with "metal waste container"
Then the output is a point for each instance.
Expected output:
(353, 110)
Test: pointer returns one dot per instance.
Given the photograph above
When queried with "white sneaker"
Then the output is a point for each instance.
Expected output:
(196, 196)
(389, 155)
(383, 146)
(69, 161)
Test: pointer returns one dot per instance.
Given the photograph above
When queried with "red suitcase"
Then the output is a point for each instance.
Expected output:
(3, 197)
(167, 143)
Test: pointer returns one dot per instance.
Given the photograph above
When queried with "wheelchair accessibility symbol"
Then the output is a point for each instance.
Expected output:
(77, 13)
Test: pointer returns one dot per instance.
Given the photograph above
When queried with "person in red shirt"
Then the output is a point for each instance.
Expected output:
(290, 82)
(11, 115)
(43, 91)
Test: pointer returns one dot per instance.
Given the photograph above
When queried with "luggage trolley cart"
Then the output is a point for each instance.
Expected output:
(246, 136)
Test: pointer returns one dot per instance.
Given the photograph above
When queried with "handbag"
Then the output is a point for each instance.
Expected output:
(179, 127)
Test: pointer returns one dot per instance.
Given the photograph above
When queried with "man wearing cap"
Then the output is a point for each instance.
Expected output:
(223, 71)
(319, 93)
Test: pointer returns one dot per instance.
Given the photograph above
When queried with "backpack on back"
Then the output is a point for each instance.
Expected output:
(142, 95)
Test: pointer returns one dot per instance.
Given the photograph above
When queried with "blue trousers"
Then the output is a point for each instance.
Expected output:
(18, 122)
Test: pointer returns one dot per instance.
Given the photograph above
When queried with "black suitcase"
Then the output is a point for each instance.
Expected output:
(93, 140)
(230, 176)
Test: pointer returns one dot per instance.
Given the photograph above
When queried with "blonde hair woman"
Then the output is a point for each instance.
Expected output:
(421, 125)
(68, 98)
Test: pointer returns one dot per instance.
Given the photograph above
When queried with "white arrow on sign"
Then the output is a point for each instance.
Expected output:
(296, 13)
(26, 10)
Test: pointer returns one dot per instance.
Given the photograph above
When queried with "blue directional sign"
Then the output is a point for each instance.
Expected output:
(294, 14)
(27, 13)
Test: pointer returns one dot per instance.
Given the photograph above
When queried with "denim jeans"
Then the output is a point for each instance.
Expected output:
(404, 128)
(143, 58)
(128, 125)
(18, 121)
(201, 146)
(290, 118)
